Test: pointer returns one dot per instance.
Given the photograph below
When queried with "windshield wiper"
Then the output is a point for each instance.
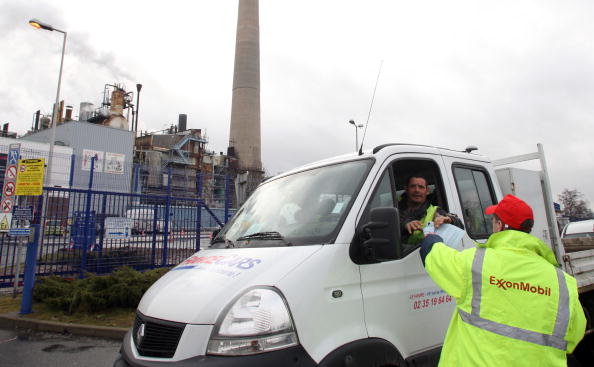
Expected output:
(228, 243)
(264, 236)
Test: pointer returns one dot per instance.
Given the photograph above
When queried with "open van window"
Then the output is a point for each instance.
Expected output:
(304, 208)
(390, 191)
(427, 168)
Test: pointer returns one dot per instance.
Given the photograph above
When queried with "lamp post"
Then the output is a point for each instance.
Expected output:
(135, 123)
(41, 25)
(352, 122)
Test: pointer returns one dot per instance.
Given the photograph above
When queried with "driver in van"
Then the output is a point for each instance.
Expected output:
(416, 211)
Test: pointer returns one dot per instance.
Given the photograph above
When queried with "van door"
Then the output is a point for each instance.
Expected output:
(402, 304)
(474, 190)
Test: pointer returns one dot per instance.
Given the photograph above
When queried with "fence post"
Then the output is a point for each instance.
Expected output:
(29, 275)
(154, 248)
(91, 173)
(136, 178)
(31, 259)
(86, 233)
(198, 209)
(199, 179)
(227, 197)
(102, 218)
(167, 210)
(72, 166)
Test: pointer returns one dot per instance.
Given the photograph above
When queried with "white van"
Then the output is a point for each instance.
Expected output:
(311, 270)
(583, 228)
(144, 221)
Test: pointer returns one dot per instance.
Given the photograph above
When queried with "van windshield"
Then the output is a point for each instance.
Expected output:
(304, 208)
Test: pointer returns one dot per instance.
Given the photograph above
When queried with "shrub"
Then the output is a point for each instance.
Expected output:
(123, 288)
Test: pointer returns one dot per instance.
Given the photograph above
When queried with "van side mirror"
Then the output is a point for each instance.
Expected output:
(214, 234)
(381, 235)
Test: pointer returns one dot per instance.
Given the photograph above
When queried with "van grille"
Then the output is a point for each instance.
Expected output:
(160, 337)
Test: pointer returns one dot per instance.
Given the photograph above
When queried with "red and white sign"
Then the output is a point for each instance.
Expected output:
(8, 189)
(11, 172)
(6, 205)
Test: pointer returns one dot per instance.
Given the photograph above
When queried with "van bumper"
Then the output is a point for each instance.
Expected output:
(293, 356)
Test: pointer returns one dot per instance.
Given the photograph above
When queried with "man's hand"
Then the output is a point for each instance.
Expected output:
(439, 220)
(414, 225)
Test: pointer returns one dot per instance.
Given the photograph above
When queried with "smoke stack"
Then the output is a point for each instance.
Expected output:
(68, 113)
(244, 134)
(117, 102)
(5, 129)
(45, 122)
(60, 115)
(37, 116)
(183, 122)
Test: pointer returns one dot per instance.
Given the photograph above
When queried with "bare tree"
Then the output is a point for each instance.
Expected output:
(574, 206)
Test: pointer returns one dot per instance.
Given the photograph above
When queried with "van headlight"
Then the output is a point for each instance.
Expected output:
(257, 322)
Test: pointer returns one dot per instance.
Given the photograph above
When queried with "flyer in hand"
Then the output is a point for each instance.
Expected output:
(452, 235)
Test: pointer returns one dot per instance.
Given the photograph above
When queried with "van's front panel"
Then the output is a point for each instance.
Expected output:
(324, 295)
(261, 285)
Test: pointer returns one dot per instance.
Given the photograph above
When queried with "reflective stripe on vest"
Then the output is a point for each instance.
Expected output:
(557, 340)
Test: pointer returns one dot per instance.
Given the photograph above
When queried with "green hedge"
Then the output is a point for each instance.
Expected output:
(123, 289)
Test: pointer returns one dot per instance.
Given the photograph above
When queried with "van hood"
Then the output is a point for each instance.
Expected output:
(198, 289)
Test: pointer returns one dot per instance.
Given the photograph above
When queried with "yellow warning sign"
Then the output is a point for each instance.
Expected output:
(30, 177)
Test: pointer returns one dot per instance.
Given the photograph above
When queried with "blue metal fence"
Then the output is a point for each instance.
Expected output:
(166, 229)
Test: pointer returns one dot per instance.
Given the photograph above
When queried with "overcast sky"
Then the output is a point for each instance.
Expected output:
(501, 75)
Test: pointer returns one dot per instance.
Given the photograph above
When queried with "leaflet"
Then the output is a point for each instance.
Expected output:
(451, 235)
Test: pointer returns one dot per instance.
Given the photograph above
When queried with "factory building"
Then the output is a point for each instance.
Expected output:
(195, 171)
(144, 164)
(125, 162)
(103, 134)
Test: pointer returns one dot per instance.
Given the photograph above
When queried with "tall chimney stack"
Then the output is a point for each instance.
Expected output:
(244, 136)
(182, 122)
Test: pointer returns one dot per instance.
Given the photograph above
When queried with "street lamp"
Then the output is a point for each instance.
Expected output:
(352, 122)
(36, 23)
(135, 123)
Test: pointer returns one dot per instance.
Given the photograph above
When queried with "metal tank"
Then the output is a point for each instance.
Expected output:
(85, 111)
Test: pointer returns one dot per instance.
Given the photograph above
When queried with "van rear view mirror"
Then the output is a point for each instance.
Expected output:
(214, 234)
(382, 235)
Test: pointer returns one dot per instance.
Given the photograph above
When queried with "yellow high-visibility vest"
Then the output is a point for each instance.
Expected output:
(514, 305)
(417, 236)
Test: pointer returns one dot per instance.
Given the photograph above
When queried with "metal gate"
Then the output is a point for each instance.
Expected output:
(163, 230)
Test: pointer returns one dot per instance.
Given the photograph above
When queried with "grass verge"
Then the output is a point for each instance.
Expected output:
(113, 317)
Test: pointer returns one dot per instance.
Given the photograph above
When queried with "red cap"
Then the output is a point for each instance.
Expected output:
(512, 211)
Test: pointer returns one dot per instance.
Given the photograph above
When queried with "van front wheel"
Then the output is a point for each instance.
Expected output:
(364, 352)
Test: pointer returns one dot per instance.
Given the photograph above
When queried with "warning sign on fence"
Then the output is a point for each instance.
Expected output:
(8, 189)
(30, 177)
